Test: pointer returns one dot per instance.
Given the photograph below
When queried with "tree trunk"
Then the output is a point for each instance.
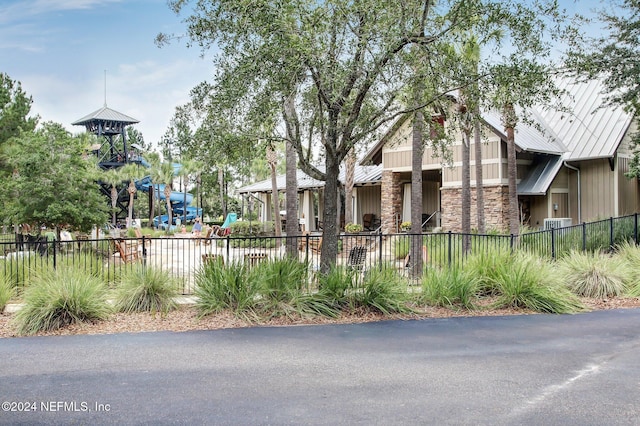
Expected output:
(466, 189)
(479, 179)
(514, 214)
(330, 231)
(114, 203)
(132, 192)
(348, 186)
(417, 147)
(292, 200)
(167, 196)
(274, 201)
(222, 201)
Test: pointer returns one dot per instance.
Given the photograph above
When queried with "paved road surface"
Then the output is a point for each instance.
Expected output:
(524, 370)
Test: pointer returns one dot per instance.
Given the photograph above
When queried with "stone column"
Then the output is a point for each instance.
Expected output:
(391, 200)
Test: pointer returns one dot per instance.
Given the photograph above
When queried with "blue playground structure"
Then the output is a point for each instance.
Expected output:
(180, 201)
(113, 151)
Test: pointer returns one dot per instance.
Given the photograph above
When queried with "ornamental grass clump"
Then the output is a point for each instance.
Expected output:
(61, 298)
(450, 287)
(145, 289)
(529, 282)
(485, 265)
(630, 254)
(7, 290)
(594, 274)
(383, 290)
(335, 288)
(283, 289)
(222, 287)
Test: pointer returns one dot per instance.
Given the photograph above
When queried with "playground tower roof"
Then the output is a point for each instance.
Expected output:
(105, 121)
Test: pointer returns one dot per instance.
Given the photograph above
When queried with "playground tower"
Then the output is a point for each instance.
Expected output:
(112, 149)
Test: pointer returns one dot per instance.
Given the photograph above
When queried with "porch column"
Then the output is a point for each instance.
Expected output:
(391, 200)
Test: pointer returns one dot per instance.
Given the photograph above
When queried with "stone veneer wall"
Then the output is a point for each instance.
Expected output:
(391, 199)
(496, 208)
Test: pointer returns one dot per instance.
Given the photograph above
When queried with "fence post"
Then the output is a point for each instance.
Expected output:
(144, 250)
(449, 249)
(584, 236)
(553, 243)
(54, 242)
(228, 247)
(635, 228)
(511, 242)
(611, 242)
(380, 247)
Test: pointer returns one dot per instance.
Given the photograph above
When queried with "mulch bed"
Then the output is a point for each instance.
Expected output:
(185, 318)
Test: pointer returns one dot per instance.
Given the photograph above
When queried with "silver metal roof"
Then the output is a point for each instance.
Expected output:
(586, 129)
(527, 137)
(105, 114)
(590, 130)
(540, 176)
(364, 175)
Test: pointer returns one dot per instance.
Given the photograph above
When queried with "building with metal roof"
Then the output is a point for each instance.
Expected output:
(571, 164)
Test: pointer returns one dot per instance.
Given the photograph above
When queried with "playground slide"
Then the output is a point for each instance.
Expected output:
(178, 201)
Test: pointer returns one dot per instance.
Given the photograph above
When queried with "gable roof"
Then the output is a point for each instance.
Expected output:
(105, 114)
(364, 175)
(588, 129)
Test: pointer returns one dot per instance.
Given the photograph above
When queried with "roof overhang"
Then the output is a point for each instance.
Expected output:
(541, 175)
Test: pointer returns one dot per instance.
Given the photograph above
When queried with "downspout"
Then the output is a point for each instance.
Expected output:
(577, 170)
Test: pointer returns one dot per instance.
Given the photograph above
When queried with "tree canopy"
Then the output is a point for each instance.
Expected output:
(614, 57)
(15, 106)
(53, 180)
(346, 64)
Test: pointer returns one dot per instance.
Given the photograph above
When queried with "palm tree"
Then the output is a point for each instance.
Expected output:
(163, 174)
(509, 120)
(132, 173)
(114, 178)
(272, 160)
(187, 168)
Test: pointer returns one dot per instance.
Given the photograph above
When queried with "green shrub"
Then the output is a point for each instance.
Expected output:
(335, 286)
(63, 297)
(450, 287)
(281, 280)
(220, 287)
(145, 289)
(630, 254)
(594, 274)
(529, 282)
(383, 290)
(284, 290)
(485, 265)
(7, 290)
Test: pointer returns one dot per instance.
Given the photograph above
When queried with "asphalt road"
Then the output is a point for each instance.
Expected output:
(523, 370)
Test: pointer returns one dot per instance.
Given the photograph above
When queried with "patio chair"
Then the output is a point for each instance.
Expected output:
(254, 258)
(129, 250)
(141, 237)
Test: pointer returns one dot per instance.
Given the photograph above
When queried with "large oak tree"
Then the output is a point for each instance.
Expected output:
(346, 62)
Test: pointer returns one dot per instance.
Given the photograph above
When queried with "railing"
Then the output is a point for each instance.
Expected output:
(182, 257)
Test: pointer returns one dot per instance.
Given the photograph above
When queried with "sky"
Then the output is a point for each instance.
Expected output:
(61, 50)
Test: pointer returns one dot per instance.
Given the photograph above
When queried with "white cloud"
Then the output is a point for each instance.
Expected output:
(23, 9)
(147, 91)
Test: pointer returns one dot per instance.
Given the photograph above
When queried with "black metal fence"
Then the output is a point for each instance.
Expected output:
(25, 256)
